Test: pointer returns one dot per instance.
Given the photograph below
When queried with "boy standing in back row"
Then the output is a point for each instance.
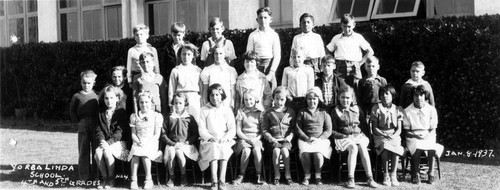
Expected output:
(266, 43)
(347, 48)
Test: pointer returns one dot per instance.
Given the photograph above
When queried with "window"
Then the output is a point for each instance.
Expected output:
(161, 14)
(69, 27)
(395, 8)
(159, 18)
(218, 8)
(360, 9)
(92, 25)
(281, 13)
(33, 29)
(68, 4)
(18, 18)
(90, 20)
(113, 22)
(454, 7)
(16, 27)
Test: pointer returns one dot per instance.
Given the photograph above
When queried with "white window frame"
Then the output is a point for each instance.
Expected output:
(394, 14)
(337, 20)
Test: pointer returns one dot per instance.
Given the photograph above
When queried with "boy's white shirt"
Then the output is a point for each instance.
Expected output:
(348, 47)
(312, 44)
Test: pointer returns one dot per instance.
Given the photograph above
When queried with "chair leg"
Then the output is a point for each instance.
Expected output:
(297, 165)
(438, 160)
(339, 173)
(157, 173)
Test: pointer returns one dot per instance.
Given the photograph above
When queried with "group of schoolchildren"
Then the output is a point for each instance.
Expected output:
(208, 115)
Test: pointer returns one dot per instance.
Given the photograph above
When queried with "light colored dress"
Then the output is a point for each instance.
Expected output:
(186, 80)
(146, 126)
(317, 124)
(421, 121)
(250, 120)
(223, 74)
(219, 123)
(388, 120)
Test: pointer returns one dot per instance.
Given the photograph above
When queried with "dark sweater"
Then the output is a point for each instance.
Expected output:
(316, 124)
(83, 106)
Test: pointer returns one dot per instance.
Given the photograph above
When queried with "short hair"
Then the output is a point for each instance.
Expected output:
(145, 54)
(180, 95)
(346, 18)
(316, 91)
(88, 74)
(327, 58)
(347, 89)
(216, 86)
(296, 50)
(420, 90)
(140, 27)
(110, 88)
(387, 88)
(279, 90)
(253, 93)
(265, 9)
(251, 55)
(417, 64)
(144, 94)
(306, 15)
(191, 47)
(177, 27)
(119, 68)
(214, 21)
(372, 59)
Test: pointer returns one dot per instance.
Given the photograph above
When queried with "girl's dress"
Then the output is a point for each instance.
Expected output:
(186, 79)
(350, 122)
(250, 119)
(388, 120)
(223, 74)
(111, 128)
(154, 85)
(181, 128)
(420, 121)
(278, 125)
(146, 125)
(215, 122)
(259, 84)
(316, 124)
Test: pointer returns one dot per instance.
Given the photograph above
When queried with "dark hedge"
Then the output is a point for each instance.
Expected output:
(461, 57)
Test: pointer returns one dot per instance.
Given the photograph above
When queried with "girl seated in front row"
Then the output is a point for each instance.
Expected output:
(277, 127)
(217, 129)
(387, 121)
(112, 121)
(179, 133)
(421, 133)
(348, 121)
(249, 132)
(314, 127)
(146, 128)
